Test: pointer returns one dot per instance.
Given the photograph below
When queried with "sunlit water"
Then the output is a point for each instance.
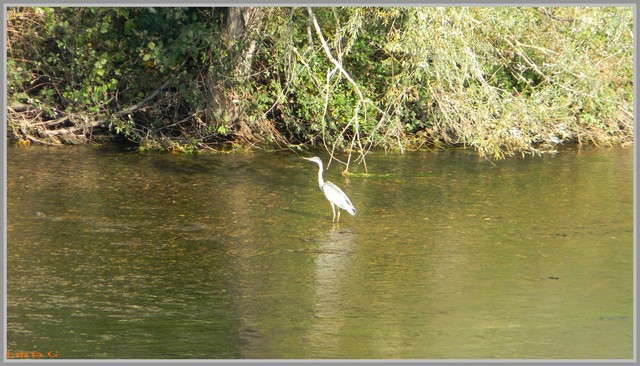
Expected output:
(114, 254)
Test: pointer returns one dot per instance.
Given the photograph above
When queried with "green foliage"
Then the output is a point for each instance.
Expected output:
(95, 62)
(503, 80)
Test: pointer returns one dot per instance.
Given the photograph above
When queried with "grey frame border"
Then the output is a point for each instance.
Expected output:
(3, 172)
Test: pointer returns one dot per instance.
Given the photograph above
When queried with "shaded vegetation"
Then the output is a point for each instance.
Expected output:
(502, 80)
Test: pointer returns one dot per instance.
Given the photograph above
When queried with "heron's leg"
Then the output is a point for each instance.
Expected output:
(338, 215)
(333, 208)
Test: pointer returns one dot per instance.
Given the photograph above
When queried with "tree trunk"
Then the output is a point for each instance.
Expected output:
(238, 27)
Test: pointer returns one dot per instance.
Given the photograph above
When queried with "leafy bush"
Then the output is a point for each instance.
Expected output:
(502, 80)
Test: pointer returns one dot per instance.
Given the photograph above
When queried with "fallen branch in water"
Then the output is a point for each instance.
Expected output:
(33, 128)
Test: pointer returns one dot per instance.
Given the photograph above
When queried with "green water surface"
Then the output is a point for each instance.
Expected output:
(115, 254)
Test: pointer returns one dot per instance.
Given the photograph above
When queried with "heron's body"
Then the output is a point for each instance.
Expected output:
(334, 194)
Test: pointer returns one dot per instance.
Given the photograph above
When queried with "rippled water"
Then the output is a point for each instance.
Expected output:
(113, 254)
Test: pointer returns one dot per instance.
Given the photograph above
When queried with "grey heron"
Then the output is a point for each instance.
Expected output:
(334, 194)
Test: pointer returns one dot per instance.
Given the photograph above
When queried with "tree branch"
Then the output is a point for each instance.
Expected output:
(361, 100)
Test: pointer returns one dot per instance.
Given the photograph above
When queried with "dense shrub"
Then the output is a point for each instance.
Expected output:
(503, 80)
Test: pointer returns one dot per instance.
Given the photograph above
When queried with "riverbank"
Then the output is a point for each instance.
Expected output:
(503, 80)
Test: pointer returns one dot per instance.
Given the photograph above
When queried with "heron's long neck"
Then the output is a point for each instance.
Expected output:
(320, 180)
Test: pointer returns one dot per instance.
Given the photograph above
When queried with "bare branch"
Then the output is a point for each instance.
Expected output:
(361, 100)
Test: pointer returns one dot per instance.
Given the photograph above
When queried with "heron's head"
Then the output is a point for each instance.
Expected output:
(315, 159)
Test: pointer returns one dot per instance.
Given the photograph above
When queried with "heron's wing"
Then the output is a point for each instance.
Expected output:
(336, 196)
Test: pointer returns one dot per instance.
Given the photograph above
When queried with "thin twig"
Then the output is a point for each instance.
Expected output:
(361, 100)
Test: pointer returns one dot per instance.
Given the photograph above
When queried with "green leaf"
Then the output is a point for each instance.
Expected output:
(104, 28)
(129, 27)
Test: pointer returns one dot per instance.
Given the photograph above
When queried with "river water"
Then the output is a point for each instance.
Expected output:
(116, 254)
